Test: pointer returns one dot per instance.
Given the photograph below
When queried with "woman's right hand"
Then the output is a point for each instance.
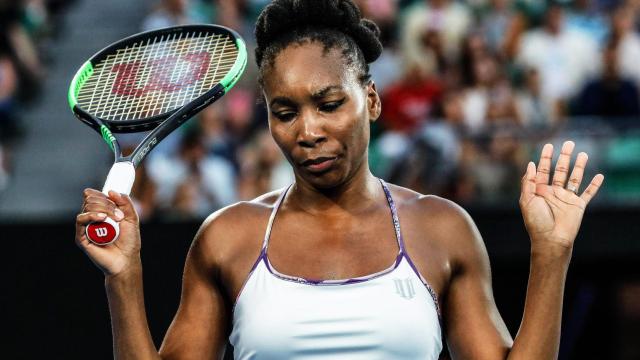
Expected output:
(124, 253)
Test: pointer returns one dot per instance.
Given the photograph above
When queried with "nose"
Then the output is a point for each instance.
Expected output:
(311, 131)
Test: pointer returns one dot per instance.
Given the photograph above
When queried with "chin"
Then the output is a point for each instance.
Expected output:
(323, 181)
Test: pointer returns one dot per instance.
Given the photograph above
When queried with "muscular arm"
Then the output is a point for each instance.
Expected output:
(199, 328)
(474, 327)
(552, 210)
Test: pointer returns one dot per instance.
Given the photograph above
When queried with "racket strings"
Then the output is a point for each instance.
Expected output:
(157, 75)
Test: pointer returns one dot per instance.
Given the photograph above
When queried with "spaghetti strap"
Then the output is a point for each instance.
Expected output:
(394, 216)
(276, 206)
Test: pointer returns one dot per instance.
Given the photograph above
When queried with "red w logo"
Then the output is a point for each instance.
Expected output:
(167, 74)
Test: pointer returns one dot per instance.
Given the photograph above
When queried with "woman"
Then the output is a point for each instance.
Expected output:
(337, 229)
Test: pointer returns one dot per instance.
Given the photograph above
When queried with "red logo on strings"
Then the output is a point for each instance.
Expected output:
(161, 74)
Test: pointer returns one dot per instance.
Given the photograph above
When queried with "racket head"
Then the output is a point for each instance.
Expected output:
(136, 83)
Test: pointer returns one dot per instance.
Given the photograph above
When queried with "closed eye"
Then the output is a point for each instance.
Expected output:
(284, 116)
(331, 106)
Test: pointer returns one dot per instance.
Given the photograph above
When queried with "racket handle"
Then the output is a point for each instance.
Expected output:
(120, 179)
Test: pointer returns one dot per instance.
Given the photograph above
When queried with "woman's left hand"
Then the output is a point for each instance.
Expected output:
(553, 212)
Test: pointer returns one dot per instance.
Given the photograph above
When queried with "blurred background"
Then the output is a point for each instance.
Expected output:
(471, 91)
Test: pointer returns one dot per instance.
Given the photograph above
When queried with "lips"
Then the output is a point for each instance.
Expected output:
(319, 164)
(317, 161)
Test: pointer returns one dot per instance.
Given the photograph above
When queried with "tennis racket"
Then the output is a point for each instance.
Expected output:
(152, 81)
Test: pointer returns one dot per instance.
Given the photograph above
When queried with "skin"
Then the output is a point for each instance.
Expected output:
(336, 225)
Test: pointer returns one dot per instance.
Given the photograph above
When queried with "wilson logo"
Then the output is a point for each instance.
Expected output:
(167, 74)
(404, 288)
(101, 232)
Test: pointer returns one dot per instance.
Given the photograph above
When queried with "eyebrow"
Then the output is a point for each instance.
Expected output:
(281, 100)
(324, 91)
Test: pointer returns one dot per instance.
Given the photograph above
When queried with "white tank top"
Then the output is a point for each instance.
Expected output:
(392, 314)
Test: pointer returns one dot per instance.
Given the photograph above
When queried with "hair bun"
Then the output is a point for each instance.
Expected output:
(367, 36)
(284, 16)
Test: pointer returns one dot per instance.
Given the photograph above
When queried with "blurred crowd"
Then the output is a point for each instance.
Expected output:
(26, 28)
(470, 89)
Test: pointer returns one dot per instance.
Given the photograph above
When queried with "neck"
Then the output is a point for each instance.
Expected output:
(358, 193)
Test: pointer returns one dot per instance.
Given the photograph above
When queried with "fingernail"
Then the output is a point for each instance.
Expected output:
(119, 214)
(102, 215)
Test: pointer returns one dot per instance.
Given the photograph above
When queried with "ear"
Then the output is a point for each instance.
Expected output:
(374, 106)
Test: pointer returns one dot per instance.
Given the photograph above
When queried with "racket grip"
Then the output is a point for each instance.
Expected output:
(120, 179)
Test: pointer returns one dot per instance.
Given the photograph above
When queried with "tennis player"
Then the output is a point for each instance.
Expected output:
(341, 265)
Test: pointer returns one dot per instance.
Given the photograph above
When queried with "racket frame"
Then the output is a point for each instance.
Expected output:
(122, 174)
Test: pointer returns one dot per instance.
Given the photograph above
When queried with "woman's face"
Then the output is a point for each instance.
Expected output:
(319, 113)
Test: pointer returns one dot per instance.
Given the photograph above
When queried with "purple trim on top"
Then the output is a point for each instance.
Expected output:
(302, 280)
(396, 224)
(314, 282)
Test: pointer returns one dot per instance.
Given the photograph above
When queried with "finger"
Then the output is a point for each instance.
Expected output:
(89, 217)
(529, 181)
(578, 171)
(109, 208)
(124, 203)
(528, 184)
(544, 166)
(561, 171)
(100, 201)
(593, 188)
(93, 192)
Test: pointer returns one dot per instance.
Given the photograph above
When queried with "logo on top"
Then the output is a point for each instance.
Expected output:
(404, 288)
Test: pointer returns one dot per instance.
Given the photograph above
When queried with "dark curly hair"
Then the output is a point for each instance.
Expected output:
(337, 24)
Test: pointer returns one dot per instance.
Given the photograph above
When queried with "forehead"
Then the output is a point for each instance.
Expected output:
(305, 68)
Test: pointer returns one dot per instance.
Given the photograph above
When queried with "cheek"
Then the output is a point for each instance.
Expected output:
(356, 128)
(279, 135)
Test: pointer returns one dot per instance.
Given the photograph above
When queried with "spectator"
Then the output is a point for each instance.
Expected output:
(171, 13)
(264, 169)
(385, 70)
(563, 57)
(230, 13)
(628, 40)
(585, 16)
(535, 110)
(495, 23)
(8, 89)
(487, 96)
(409, 102)
(610, 95)
(213, 178)
(448, 19)
(491, 169)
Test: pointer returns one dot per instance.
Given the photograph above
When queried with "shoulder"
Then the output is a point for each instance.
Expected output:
(448, 225)
(430, 208)
(235, 228)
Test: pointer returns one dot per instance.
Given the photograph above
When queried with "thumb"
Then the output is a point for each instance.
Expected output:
(125, 204)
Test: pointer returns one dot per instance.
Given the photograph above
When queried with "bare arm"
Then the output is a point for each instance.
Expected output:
(552, 216)
(199, 328)
(129, 327)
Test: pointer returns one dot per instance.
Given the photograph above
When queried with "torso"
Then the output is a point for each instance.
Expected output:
(341, 246)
